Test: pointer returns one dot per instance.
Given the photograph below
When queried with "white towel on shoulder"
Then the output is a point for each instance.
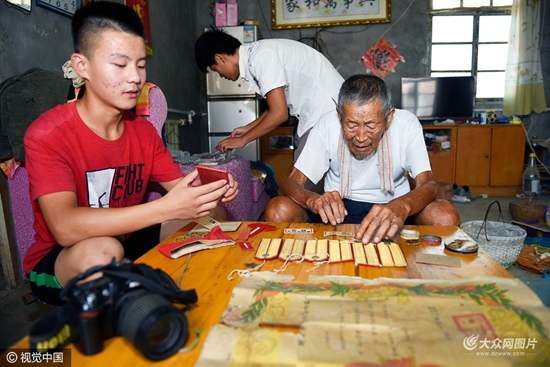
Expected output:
(384, 166)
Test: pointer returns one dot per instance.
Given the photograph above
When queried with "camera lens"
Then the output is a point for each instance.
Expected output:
(163, 333)
(152, 324)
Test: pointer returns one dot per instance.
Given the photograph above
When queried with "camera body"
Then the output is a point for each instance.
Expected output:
(132, 300)
(94, 308)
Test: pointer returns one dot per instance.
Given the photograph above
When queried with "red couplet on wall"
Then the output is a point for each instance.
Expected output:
(142, 9)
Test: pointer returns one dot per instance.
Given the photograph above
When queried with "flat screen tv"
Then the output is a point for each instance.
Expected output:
(439, 98)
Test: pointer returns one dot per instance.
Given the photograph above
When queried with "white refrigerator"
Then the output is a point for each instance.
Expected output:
(232, 104)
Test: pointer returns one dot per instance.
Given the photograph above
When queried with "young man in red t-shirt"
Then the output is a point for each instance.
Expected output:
(89, 162)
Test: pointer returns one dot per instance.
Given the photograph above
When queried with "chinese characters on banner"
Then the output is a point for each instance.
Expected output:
(381, 58)
(314, 8)
(141, 8)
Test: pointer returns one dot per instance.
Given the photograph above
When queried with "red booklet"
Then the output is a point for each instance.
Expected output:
(209, 174)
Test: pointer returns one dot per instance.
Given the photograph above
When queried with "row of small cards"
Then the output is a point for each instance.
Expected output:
(310, 231)
(334, 251)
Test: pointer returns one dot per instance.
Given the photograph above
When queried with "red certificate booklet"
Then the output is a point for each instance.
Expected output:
(208, 174)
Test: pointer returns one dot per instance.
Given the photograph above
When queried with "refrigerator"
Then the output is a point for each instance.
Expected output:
(232, 104)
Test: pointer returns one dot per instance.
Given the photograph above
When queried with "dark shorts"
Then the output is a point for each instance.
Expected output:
(44, 284)
(357, 210)
(141, 241)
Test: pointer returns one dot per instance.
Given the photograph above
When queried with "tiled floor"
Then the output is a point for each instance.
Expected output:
(16, 318)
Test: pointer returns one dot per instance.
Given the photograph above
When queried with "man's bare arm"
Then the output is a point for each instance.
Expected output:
(383, 221)
(272, 118)
(70, 223)
(329, 205)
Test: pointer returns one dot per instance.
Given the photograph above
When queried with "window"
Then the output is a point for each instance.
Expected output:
(470, 37)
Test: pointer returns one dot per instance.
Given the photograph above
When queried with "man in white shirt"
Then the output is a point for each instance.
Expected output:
(288, 74)
(366, 148)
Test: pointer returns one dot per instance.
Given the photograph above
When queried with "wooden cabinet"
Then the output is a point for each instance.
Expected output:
(507, 151)
(442, 160)
(489, 158)
(473, 156)
(278, 152)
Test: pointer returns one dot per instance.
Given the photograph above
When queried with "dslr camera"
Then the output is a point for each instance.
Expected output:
(132, 300)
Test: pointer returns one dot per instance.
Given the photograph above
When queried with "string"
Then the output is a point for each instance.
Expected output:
(183, 270)
(190, 235)
(287, 261)
(319, 263)
(245, 272)
(197, 331)
(195, 343)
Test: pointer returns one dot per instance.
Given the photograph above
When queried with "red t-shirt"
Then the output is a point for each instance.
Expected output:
(63, 154)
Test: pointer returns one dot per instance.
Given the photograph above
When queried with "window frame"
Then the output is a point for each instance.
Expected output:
(476, 13)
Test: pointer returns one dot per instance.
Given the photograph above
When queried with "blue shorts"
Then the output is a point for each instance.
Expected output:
(357, 211)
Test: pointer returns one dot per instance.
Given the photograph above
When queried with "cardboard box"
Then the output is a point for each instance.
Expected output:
(443, 145)
(232, 13)
(220, 15)
(534, 228)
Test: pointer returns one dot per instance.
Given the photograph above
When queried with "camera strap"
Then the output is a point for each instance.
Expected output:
(52, 332)
(156, 280)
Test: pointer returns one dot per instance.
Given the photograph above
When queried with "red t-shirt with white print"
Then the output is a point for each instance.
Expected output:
(63, 154)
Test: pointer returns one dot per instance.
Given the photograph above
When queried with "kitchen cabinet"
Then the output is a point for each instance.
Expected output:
(278, 152)
(489, 159)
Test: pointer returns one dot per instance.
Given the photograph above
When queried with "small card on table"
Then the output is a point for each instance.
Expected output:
(298, 230)
(435, 259)
(338, 233)
(205, 224)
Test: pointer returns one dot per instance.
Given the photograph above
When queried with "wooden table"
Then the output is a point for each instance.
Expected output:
(207, 272)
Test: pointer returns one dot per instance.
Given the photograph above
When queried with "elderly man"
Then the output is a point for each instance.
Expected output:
(364, 149)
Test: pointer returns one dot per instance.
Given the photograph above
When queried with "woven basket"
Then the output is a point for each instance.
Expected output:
(527, 210)
(502, 241)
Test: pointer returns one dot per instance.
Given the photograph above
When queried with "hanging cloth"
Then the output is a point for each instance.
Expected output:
(524, 87)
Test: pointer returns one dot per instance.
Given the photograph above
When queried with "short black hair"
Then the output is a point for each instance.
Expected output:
(96, 16)
(212, 42)
(361, 89)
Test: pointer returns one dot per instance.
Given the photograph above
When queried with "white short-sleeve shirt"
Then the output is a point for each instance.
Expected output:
(408, 153)
(310, 81)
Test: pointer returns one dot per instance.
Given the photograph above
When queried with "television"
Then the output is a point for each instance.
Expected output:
(439, 98)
